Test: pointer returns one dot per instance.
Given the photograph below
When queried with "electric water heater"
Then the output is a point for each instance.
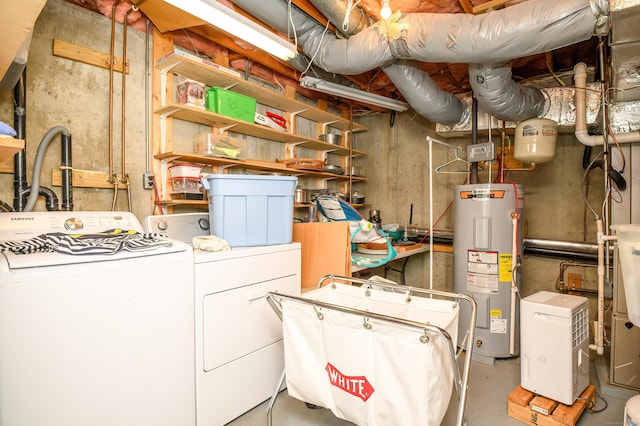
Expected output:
(487, 241)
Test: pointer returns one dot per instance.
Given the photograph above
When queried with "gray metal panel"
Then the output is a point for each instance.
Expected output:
(625, 353)
(625, 337)
(482, 232)
(625, 72)
(624, 25)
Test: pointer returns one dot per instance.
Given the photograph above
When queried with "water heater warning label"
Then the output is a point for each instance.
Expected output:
(505, 267)
(482, 271)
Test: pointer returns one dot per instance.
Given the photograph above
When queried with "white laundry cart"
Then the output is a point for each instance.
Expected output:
(374, 353)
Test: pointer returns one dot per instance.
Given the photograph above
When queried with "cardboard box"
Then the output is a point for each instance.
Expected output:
(326, 249)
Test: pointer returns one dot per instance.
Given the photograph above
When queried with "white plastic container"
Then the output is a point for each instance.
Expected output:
(251, 210)
(629, 250)
(185, 171)
(632, 411)
(215, 145)
(535, 140)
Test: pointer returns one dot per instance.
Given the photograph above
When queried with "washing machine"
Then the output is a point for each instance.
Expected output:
(94, 333)
(239, 348)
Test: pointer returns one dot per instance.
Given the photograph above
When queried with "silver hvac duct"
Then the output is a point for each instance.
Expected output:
(502, 97)
(528, 28)
(424, 95)
(525, 29)
(417, 87)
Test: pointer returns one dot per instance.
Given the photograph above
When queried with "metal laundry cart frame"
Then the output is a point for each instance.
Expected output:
(461, 380)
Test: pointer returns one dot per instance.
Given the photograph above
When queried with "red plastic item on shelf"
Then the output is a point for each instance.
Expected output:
(278, 119)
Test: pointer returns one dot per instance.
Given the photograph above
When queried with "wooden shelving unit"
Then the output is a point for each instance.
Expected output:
(210, 74)
(176, 61)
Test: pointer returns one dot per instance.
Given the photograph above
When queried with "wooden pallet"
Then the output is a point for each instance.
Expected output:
(537, 410)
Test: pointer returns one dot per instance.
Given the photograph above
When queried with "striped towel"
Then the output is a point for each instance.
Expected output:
(106, 243)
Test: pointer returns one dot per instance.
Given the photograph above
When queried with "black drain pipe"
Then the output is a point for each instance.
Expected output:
(20, 188)
(67, 195)
(474, 138)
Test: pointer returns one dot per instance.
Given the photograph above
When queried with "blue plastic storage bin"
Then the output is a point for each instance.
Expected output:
(248, 210)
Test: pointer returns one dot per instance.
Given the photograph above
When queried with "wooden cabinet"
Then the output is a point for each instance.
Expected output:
(170, 61)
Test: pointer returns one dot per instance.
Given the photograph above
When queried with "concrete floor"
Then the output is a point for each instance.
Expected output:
(489, 387)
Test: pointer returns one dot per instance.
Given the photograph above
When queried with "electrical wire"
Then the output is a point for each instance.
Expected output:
(441, 216)
(291, 27)
(582, 186)
(591, 404)
(350, 7)
(550, 68)
(615, 141)
(155, 189)
(326, 28)
(193, 43)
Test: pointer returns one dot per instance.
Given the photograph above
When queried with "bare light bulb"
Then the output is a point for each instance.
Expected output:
(385, 12)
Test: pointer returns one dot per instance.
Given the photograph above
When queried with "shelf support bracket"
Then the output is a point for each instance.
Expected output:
(163, 129)
(325, 124)
(291, 148)
(327, 152)
(223, 167)
(164, 72)
(292, 118)
(224, 129)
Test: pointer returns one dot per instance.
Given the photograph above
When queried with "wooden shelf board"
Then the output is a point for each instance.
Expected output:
(210, 118)
(9, 147)
(211, 75)
(203, 203)
(255, 165)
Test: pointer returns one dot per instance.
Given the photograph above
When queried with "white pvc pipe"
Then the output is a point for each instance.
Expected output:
(598, 346)
(430, 212)
(514, 287)
(580, 77)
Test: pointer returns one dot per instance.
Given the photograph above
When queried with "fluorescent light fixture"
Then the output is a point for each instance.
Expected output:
(352, 93)
(385, 12)
(237, 25)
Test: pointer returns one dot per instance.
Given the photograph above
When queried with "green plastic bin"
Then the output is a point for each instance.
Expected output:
(231, 104)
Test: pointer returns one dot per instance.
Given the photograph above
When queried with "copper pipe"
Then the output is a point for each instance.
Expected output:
(111, 71)
(125, 23)
(124, 177)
